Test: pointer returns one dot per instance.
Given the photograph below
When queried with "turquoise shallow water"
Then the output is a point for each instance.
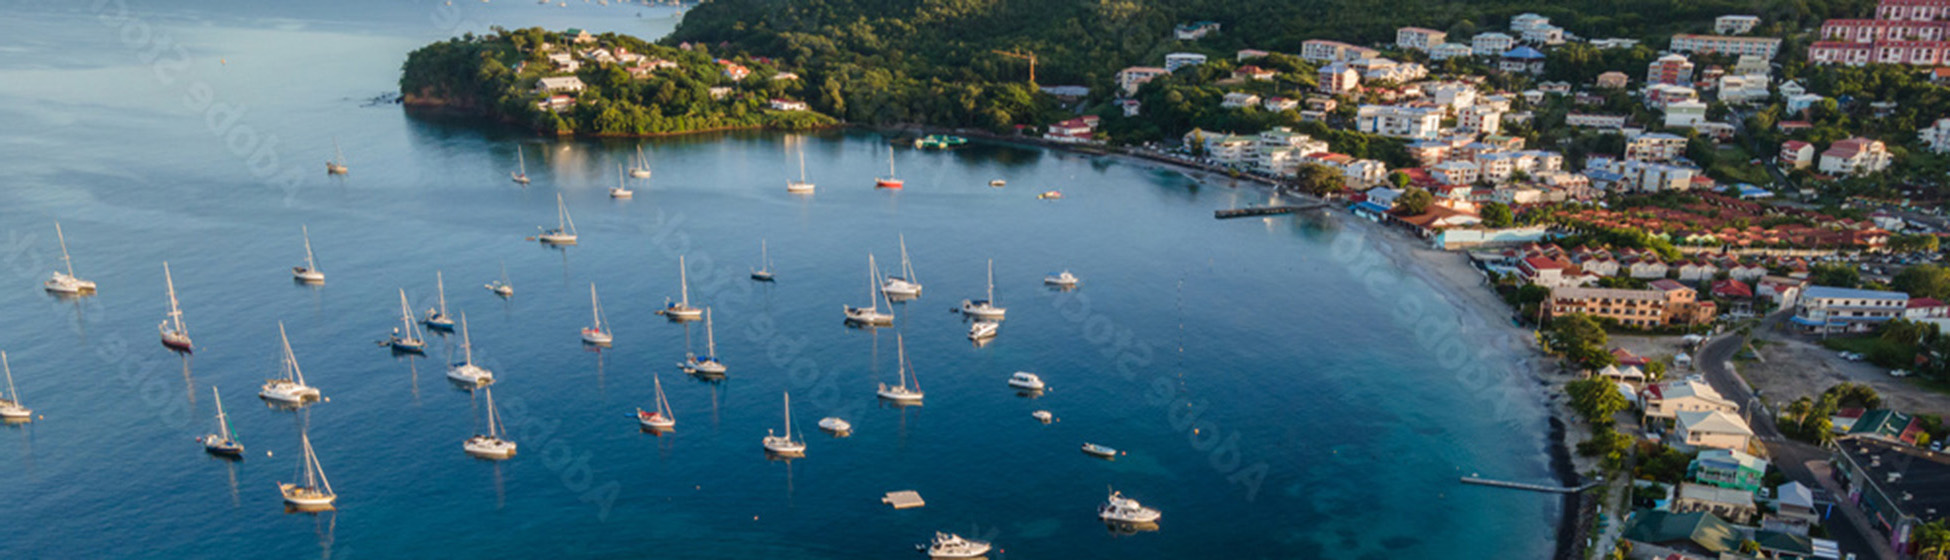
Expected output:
(1277, 396)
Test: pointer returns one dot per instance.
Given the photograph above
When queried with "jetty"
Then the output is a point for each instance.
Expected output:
(903, 499)
(1532, 487)
(1265, 210)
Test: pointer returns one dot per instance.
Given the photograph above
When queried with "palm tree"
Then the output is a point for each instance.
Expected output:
(1933, 541)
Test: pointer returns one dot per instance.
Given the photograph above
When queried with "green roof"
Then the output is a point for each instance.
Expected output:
(1785, 542)
(1884, 422)
(1701, 528)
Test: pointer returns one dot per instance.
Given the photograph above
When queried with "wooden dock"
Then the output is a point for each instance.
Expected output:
(1531, 487)
(1265, 210)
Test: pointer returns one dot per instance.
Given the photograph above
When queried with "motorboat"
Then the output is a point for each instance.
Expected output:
(465, 371)
(1100, 451)
(1026, 381)
(835, 425)
(949, 545)
(998, 183)
(1050, 195)
(1120, 509)
(982, 330)
(1044, 416)
(66, 283)
(1061, 279)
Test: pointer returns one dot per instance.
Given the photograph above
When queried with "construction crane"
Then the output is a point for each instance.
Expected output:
(1029, 56)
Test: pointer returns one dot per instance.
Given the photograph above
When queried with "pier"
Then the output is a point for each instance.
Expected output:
(1265, 210)
(1532, 487)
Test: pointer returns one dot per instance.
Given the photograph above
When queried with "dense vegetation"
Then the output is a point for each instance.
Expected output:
(496, 75)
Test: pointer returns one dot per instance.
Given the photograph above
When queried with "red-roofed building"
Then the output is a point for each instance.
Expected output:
(1250, 72)
(1732, 289)
(1552, 272)
(1796, 154)
(1627, 358)
(1073, 131)
(1925, 308)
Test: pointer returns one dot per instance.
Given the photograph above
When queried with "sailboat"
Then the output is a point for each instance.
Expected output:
(174, 335)
(905, 285)
(502, 287)
(871, 315)
(621, 191)
(490, 446)
(316, 492)
(309, 273)
(660, 419)
(565, 227)
(291, 388)
(337, 165)
(10, 408)
(407, 337)
(640, 167)
(985, 309)
(785, 446)
(707, 364)
(437, 318)
(597, 333)
(66, 283)
(803, 185)
(681, 309)
(764, 272)
(520, 175)
(464, 371)
(891, 181)
(902, 393)
(223, 442)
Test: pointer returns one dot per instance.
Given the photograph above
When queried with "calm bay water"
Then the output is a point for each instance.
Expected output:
(1262, 336)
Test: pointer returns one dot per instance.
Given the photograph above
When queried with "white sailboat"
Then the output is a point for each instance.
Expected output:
(891, 181)
(490, 445)
(565, 227)
(681, 309)
(10, 408)
(985, 309)
(308, 273)
(785, 445)
(902, 393)
(661, 419)
(291, 388)
(871, 315)
(520, 175)
(174, 335)
(803, 185)
(640, 167)
(764, 271)
(707, 364)
(502, 287)
(437, 318)
(905, 285)
(407, 337)
(316, 492)
(67, 283)
(465, 372)
(223, 442)
(597, 333)
(621, 191)
(337, 165)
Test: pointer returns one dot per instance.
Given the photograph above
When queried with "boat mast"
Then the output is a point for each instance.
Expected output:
(223, 423)
(314, 472)
(493, 428)
(175, 313)
(309, 263)
(890, 163)
(683, 281)
(336, 151)
(64, 248)
(873, 284)
(521, 161)
(466, 341)
(907, 268)
(12, 395)
(405, 314)
(802, 163)
(991, 282)
(440, 282)
(710, 339)
(291, 370)
(900, 364)
(595, 309)
(764, 256)
(788, 417)
(663, 404)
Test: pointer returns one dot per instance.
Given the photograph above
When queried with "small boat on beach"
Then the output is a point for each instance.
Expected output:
(466, 372)
(10, 408)
(309, 273)
(681, 309)
(1026, 381)
(67, 283)
(174, 335)
(223, 443)
(1102, 451)
(662, 419)
(949, 545)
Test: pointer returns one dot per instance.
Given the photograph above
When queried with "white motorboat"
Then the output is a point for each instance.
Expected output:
(309, 273)
(871, 315)
(902, 393)
(835, 425)
(982, 330)
(316, 492)
(640, 167)
(707, 364)
(10, 408)
(998, 183)
(661, 419)
(337, 164)
(1100, 451)
(1044, 416)
(1061, 279)
(785, 445)
(681, 309)
(520, 175)
(66, 283)
(1125, 510)
(502, 287)
(598, 333)
(437, 317)
(985, 309)
(1026, 381)
(764, 272)
(565, 226)
(224, 442)
(950, 545)
(621, 190)
(465, 371)
(490, 445)
(904, 286)
(803, 185)
(174, 334)
(289, 389)
(407, 337)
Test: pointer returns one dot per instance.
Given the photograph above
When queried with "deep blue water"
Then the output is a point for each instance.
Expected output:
(1271, 403)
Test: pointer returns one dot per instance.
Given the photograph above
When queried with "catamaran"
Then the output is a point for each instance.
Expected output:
(437, 318)
(871, 315)
(785, 446)
(803, 185)
(681, 309)
(1125, 510)
(661, 419)
(291, 388)
(950, 545)
(67, 283)
(223, 442)
(621, 191)
(316, 492)
(905, 285)
(464, 371)
(764, 272)
(902, 393)
(337, 165)
(502, 287)
(308, 273)
(174, 335)
(10, 408)
(407, 337)
(565, 227)
(707, 364)
(597, 333)
(490, 446)
(985, 309)
(520, 175)
(640, 167)
(891, 181)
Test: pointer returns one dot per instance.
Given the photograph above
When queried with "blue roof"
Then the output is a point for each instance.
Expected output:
(1524, 52)
(1371, 207)
(1834, 292)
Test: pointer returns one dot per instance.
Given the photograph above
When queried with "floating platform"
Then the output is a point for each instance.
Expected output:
(904, 499)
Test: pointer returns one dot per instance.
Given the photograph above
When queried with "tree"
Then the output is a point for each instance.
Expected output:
(1579, 338)
(1596, 398)
(1839, 275)
(1319, 180)
(1414, 202)
(1497, 214)
(1933, 540)
(1398, 179)
(1854, 395)
(1924, 280)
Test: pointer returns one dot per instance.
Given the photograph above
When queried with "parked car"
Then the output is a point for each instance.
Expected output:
(1899, 373)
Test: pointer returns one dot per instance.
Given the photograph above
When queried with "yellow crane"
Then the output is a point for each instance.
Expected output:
(1029, 56)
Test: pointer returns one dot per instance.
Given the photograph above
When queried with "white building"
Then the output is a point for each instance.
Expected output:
(1847, 310)
(1641, 176)
(1752, 65)
(1174, 61)
(1447, 51)
(1130, 78)
(1491, 43)
(1800, 102)
(1937, 136)
(1855, 156)
(1582, 120)
(1323, 51)
(559, 84)
(1735, 24)
(1280, 150)
(1456, 172)
(1422, 123)
(1685, 113)
(1228, 148)
(1655, 146)
(1239, 99)
(1743, 88)
(1486, 121)
(1418, 38)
